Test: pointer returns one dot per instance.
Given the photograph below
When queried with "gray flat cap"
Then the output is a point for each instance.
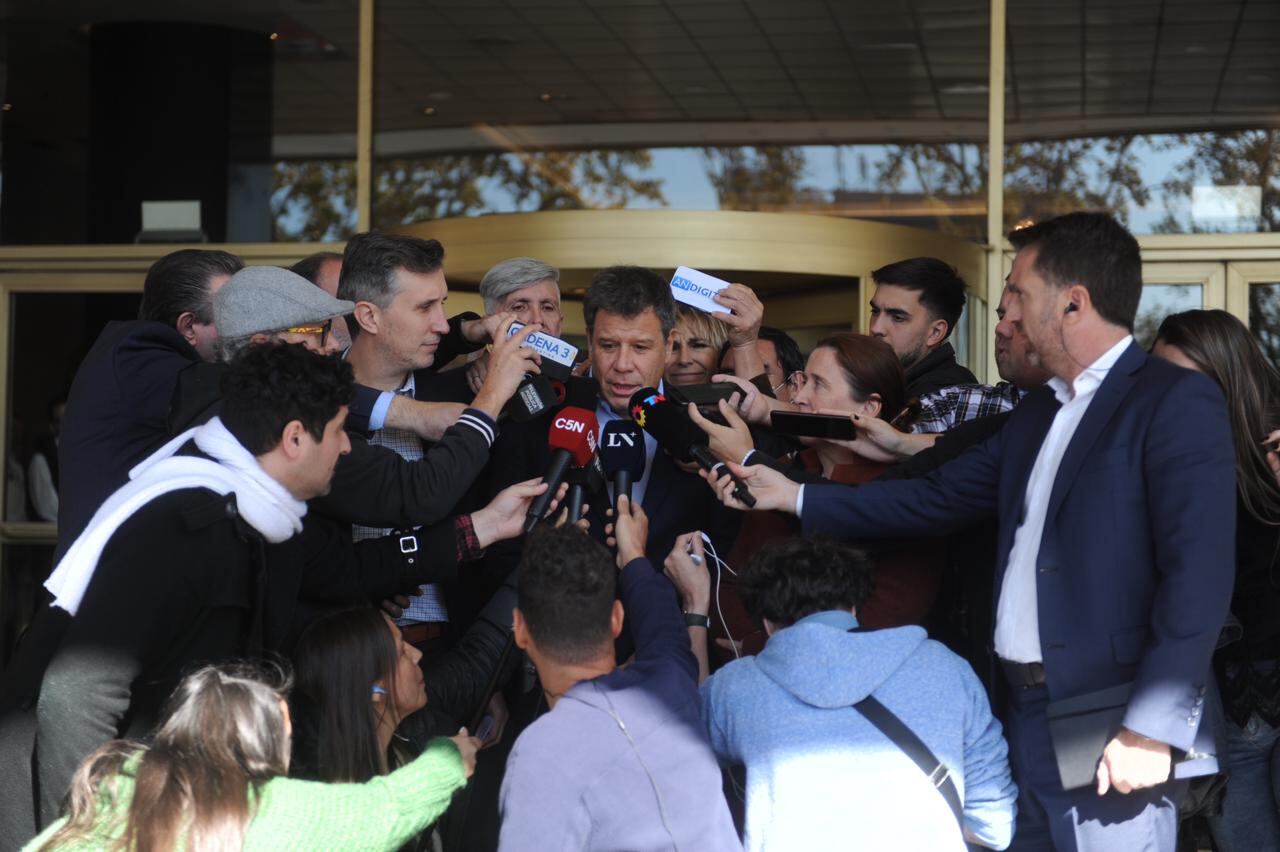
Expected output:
(268, 298)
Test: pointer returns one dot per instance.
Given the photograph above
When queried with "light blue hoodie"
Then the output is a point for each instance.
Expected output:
(820, 776)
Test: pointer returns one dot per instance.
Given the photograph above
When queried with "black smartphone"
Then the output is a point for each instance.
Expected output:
(702, 395)
(831, 426)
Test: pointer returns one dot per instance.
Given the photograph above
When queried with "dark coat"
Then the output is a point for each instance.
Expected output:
(117, 415)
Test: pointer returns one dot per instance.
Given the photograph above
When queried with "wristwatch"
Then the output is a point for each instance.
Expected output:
(697, 619)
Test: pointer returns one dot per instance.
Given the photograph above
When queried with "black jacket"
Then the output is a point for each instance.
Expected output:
(372, 486)
(117, 415)
(935, 371)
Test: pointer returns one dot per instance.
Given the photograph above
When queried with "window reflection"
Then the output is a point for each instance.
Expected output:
(932, 186)
(1160, 300)
(1264, 318)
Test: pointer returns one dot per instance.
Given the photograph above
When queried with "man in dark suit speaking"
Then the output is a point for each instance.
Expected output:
(1114, 487)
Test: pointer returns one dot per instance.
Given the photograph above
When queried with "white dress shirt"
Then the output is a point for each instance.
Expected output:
(1017, 615)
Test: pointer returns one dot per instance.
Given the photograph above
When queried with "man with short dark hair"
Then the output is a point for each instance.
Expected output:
(780, 355)
(172, 571)
(630, 316)
(1114, 486)
(118, 406)
(789, 715)
(915, 308)
(399, 325)
(621, 761)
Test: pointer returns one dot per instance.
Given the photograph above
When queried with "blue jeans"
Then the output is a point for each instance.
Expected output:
(1250, 820)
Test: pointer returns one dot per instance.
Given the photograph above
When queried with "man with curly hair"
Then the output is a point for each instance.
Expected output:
(171, 571)
(820, 773)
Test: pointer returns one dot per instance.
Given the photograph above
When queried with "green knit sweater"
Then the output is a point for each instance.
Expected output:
(381, 814)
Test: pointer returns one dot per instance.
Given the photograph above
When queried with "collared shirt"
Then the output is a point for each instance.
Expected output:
(606, 414)
(429, 605)
(941, 410)
(1017, 615)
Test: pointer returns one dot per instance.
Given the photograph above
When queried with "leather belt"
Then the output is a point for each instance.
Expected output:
(1023, 675)
(423, 631)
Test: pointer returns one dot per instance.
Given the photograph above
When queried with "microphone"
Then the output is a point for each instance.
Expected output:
(623, 456)
(535, 395)
(670, 425)
(584, 480)
(573, 441)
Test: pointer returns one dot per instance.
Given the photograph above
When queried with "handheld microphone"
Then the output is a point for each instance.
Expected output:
(670, 425)
(584, 480)
(622, 453)
(573, 441)
(535, 395)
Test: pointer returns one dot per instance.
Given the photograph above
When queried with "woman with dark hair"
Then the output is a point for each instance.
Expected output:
(356, 680)
(1220, 346)
(214, 779)
(852, 375)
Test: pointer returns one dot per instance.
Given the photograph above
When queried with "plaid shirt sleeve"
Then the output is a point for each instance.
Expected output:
(941, 411)
(469, 548)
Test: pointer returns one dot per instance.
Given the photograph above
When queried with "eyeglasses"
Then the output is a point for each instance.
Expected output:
(795, 381)
(322, 329)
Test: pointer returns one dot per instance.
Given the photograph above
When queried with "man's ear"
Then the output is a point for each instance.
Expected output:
(937, 333)
(368, 315)
(291, 440)
(185, 322)
(873, 405)
(616, 617)
(519, 629)
(258, 339)
(1078, 295)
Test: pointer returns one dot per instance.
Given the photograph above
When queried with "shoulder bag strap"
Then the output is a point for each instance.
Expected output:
(900, 735)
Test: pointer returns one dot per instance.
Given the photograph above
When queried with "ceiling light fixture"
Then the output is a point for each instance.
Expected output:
(429, 110)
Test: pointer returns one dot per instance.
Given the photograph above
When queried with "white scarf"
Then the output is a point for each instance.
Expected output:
(265, 504)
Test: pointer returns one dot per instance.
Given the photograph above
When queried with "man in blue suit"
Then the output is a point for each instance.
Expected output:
(1114, 488)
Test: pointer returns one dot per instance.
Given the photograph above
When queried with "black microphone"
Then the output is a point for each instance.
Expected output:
(573, 440)
(535, 395)
(583, 481)
(670, 425)
(622, 453)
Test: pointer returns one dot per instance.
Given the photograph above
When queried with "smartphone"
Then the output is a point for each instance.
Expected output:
(702, 395)
(487, 724)
(831, 426)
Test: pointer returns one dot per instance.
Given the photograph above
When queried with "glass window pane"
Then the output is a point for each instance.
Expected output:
(813, 110)
(1264, 318)
(40, 376)
(1160, 300)
(221, 106)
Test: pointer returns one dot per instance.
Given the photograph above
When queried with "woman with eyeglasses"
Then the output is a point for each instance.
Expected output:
(1248, 670)
(851, 375)
(214, 777)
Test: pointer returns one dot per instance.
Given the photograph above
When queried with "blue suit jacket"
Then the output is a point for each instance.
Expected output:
(1136, 565)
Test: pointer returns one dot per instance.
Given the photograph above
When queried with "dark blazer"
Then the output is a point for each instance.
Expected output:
(1135, 568)
(117, 415)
